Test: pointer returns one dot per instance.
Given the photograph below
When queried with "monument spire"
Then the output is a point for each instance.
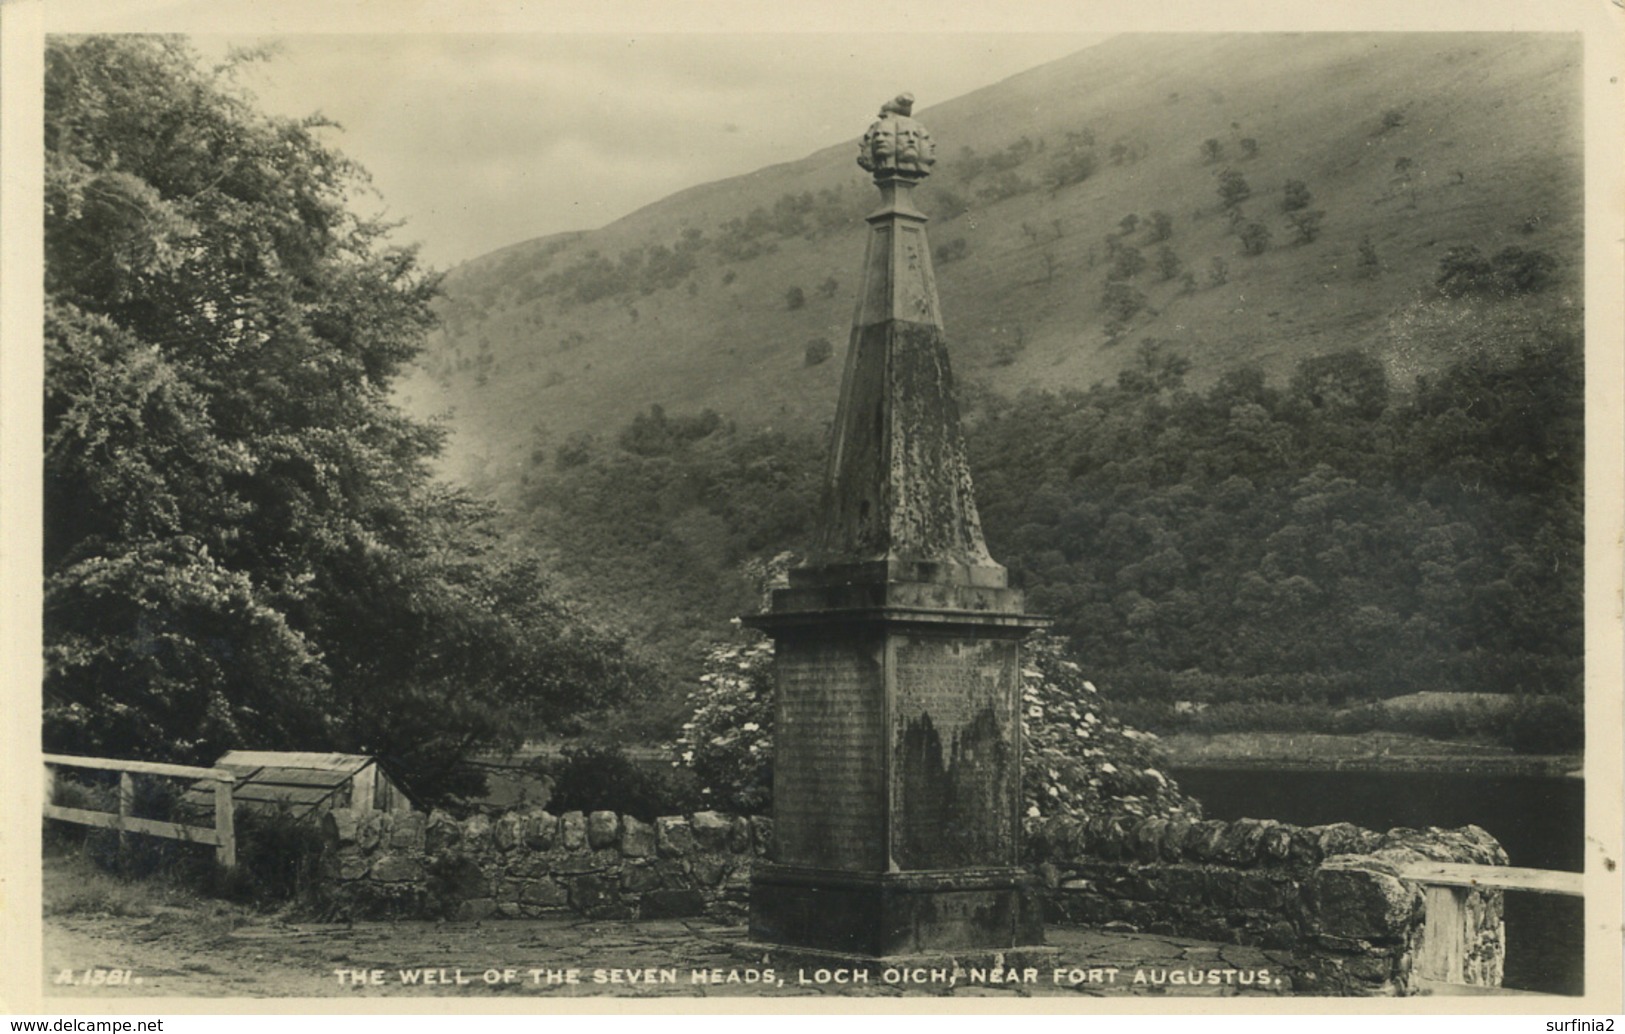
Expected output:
(898, 489)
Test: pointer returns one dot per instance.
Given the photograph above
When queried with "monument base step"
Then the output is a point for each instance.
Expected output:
(895, 915)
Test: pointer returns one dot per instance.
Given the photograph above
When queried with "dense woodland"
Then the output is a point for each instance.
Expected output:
(1333, 540)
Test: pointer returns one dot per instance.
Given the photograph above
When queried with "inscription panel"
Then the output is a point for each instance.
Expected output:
(829, 764)
(956, 789)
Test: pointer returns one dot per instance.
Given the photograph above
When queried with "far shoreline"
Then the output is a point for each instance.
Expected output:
(1325, 752)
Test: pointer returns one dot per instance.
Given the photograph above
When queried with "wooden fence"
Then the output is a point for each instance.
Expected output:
(222, 836)
(1442, 954)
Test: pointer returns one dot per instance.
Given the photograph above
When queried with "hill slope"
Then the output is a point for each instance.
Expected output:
(1414, 143)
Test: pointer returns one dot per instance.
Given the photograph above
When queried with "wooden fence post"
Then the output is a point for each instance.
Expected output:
(126, 808)
(225, 822)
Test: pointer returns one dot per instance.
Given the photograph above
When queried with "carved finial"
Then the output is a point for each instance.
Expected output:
(896, 146)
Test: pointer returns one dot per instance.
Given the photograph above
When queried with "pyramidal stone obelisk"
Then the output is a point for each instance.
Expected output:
(897, 767)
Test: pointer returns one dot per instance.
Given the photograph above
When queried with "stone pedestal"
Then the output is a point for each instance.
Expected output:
(897, 767)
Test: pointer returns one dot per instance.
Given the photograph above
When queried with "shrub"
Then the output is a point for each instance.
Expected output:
(1255, 238)
(1218, 271)
(1072, 167)
(818, 350)
(1463, 270)
(728, 741)
(1168, 264)
(1393, 118)
(277, 853)
(1306, 225)
(1212, 150)
(597, 777)
(952, 251)
(795, 298)
(1368, 264)
(1122, 302)
(1233, 188)
(1162, 226)
(1080, 759)
(1545, 725)
(1295, 195)
(1127, 262)
(1249, 147)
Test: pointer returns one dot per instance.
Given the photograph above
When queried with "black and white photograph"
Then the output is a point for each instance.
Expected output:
(1090, 515)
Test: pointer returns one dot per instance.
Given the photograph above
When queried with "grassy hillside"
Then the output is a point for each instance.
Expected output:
(1413, 143)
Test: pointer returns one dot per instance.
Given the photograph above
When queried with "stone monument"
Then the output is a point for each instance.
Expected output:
(897, 768)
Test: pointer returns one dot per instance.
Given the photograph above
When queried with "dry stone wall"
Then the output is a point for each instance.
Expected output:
(1328, 897)
(532, 863)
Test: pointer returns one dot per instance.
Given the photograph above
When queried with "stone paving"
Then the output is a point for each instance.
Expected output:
(182, 956)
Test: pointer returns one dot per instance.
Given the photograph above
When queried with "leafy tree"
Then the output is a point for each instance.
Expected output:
(1072, 166)
(1127, 263)
(1168, 264)
(243, 546)
(1212, 150)
(818, 351)
(1218, 271)
(1122, 302)
(828, 288)
(1511, 271)
(1255, 238)
(795, 298)
(1306, 225)
(1367, 264)
(1295, 195)
(1162, 226)
(1233, 188)
(1249, 147)
(1128, 223)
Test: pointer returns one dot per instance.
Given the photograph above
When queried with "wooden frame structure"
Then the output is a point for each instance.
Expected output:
(1441, 956)
(222, 836)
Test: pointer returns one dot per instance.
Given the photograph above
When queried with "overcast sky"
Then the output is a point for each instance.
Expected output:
(480, 141)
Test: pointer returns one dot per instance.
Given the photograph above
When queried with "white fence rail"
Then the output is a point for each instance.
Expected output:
(222, 836)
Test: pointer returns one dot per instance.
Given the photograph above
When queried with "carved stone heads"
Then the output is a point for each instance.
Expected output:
(896, 146)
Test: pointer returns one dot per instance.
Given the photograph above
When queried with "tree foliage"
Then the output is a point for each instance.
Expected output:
(243, 545)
